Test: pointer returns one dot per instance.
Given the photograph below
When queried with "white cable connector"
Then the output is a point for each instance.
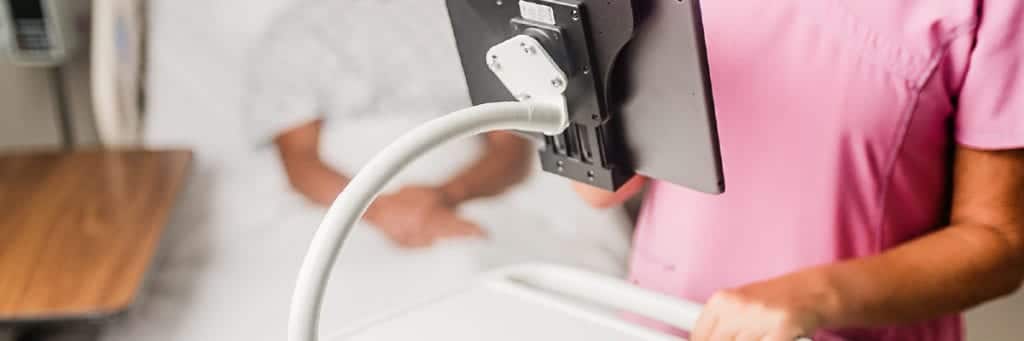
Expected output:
(542, 112)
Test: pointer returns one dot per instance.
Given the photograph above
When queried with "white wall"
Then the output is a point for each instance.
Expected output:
(1002, 320)
(27, 111)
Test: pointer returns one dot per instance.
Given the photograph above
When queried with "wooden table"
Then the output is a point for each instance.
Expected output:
(79, 230)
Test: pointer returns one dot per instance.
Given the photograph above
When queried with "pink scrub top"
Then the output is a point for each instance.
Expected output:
(837, 122)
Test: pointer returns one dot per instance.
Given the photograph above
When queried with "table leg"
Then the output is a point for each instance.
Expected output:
(6, 334)
(56, 332)
(63, 110)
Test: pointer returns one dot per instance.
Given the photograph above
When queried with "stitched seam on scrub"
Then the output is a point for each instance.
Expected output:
(917, 88)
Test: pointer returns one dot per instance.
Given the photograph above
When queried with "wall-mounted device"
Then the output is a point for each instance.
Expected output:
(637, 84)
(38, 32)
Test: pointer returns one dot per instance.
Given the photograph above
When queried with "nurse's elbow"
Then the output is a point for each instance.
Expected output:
(1017, 279)
(593, 196)
(1014, 237)
(603, 199)
(1010, 275)
(1016, 288)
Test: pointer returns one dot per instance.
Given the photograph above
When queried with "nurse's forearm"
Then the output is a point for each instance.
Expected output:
(505, 162)
(942, 273)
(978, 258)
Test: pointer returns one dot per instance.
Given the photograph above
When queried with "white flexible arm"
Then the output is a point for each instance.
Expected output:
(547, 116)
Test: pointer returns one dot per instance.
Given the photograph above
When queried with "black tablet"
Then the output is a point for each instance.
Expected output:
(639, 91)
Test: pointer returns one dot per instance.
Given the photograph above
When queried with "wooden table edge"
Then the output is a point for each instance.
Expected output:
(122, 307)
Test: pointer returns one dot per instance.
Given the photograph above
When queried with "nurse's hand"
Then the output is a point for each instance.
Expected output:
(783, 309)
(416, 216)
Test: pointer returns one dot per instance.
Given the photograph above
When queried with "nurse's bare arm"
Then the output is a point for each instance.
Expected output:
(601, 198)
(978, 257)
(504, 163)
(307, 173)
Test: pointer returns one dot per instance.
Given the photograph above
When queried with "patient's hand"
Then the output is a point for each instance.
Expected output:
(418, 216)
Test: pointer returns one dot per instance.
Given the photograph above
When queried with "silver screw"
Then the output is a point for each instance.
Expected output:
(499, 2)
(530, 50)
(494, 64)
(557, 83)
(575, 15)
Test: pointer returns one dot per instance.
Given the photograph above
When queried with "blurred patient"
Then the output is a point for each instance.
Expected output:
(334, 62)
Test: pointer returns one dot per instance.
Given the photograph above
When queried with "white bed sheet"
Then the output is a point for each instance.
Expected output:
(236, 240)
(232, 254)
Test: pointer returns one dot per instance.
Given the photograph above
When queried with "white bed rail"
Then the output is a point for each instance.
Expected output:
(116, 58)
(602, 290)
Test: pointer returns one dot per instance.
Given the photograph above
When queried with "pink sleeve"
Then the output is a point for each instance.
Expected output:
(990, 112)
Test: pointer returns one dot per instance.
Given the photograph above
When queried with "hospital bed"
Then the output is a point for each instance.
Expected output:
(238, 237)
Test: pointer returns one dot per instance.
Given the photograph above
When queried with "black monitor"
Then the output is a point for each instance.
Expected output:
(639, 90)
